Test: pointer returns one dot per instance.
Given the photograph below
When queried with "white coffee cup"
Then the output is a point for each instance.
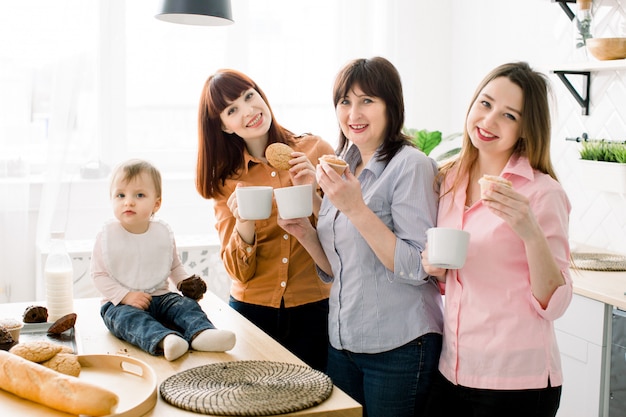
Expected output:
(447, 247)
(254, 202)
(295, 201)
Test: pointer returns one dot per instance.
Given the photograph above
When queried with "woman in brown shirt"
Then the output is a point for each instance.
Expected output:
(275, 283)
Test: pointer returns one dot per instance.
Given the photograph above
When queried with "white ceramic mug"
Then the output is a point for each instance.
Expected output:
(447, 247)
(295, 201)
(254, 202)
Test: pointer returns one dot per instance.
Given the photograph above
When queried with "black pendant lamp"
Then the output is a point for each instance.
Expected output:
(197, 12)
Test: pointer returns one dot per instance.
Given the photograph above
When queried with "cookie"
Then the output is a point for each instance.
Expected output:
(36, 351)
(66, 363)
(35, 314)
(278, 155)
(64, 323)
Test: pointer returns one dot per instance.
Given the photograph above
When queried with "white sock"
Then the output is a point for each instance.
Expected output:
(174, 347)
(214, 340)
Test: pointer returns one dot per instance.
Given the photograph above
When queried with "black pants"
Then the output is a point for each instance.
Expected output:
(447, 399)
(302, 329)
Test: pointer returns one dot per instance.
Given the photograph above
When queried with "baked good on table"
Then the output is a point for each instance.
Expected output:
(51, 388)
(486, 180)
(13, 326)
(6, 340)
(35, 314)
(335, 162)
(278, 155)
(66, 363)
(51, 355)
(64, 323)
(36, 351)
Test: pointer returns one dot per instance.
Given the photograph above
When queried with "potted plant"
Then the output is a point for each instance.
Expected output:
(603, 165)
(427, 141)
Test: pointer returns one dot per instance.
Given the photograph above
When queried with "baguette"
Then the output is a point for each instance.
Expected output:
(65, 393)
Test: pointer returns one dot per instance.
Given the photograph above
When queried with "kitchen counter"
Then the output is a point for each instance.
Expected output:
(607, 287)
(252, 344)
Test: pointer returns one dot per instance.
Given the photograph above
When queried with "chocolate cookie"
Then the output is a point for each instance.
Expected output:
(35, 314)
(278, 155)
(64, 323)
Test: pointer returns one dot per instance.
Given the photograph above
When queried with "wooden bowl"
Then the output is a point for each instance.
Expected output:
(607, 48)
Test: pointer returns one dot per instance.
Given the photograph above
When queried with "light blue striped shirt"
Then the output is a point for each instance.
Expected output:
(373, 309)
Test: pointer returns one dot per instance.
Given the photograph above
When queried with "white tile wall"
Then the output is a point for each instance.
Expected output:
(598, 218)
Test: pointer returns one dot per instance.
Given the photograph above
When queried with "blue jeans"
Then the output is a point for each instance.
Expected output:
(167, 314)
(394, 383)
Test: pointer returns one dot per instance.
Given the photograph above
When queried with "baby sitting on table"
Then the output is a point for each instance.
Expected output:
(133, 261)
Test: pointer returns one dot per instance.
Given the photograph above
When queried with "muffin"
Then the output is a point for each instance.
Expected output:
(13, 326)
(35, 314)
(487, 180)
(6, 340)
(335, 162)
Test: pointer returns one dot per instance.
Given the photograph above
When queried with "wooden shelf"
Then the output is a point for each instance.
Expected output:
(593, 66)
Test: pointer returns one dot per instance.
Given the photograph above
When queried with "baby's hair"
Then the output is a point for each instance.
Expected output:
(132, 168)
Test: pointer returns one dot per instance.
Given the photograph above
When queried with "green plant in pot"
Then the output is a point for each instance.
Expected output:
(427, 141)
(603, 166)
(603, 151)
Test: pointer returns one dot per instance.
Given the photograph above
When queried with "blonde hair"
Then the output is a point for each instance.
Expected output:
(132, 168)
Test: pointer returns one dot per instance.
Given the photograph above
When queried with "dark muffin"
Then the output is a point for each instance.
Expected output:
(35, 314)
(6, 340)
(64, 323)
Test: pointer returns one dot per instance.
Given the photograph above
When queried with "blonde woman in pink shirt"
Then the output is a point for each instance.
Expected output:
(500, 356)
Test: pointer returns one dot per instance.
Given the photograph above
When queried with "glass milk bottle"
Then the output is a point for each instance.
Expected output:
(59, 278)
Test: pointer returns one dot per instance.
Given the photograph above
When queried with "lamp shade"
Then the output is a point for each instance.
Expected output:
(196, 12)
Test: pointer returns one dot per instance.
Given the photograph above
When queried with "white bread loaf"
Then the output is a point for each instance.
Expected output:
(37, 383)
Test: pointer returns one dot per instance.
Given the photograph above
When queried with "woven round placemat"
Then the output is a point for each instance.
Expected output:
(247, 388)
(598, 261)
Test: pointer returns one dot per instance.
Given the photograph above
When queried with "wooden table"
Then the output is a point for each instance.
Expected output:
(252, 344)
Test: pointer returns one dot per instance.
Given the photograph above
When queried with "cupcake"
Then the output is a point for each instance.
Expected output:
(13, 326)
(335, 162)
(487, 180)
(6, 340)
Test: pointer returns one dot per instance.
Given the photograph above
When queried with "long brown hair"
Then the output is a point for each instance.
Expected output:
(221, 154)
(377, 77)
(535, 129)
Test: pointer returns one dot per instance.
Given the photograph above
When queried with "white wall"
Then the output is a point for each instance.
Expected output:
(457, 42)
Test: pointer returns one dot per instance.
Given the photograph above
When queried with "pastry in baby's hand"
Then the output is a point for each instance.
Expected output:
(278, 155)
(486, 180)
(335, 162)
(193, 287)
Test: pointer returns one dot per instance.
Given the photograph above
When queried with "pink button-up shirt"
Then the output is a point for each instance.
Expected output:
(496, 334)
